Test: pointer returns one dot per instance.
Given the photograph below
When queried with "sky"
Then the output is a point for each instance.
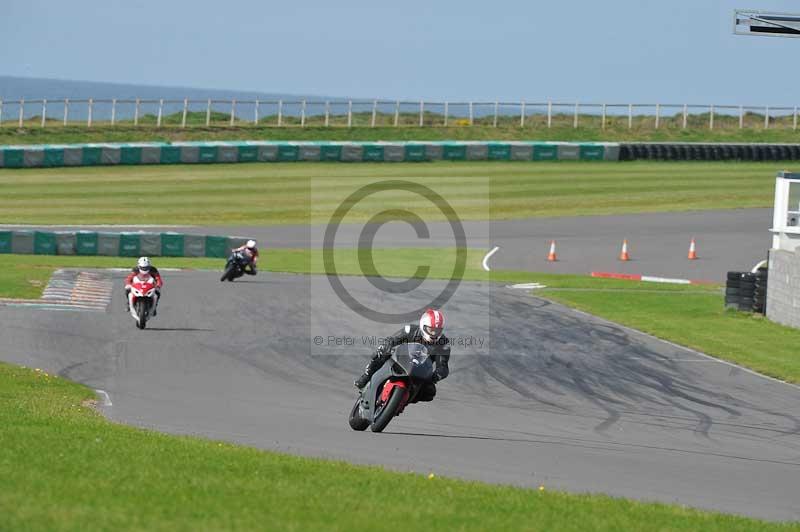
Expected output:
(677, 51)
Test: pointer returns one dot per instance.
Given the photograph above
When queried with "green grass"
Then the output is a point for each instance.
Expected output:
(24, 276)
(724, 131)
(299, 193)
(64, 467)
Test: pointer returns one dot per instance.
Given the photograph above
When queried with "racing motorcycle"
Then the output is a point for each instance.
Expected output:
(142, 298)
(392, 387)
(234, 268)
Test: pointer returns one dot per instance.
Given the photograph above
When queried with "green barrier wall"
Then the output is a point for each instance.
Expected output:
(248, 151)
(44, 243)
(5, 241)
(117, 244)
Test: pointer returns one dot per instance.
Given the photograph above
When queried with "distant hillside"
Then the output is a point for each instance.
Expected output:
(13, 88)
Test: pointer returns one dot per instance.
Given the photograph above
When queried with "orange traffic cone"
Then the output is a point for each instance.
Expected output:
(692, 251)
(551, 257)
(624, 253)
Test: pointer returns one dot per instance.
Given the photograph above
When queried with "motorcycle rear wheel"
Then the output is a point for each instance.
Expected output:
(226, 274)
(389, 410)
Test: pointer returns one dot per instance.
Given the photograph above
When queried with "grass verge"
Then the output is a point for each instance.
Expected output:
(508, 130)
(24, 276)
(64, 467)
(301, 193)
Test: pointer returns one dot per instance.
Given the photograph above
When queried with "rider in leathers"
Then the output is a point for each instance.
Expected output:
(438, 349)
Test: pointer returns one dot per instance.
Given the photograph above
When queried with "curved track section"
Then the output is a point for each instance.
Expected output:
(561, 399)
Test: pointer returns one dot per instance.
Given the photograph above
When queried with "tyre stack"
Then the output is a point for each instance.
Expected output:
(747, 291)
(732, 290)
(760, 293)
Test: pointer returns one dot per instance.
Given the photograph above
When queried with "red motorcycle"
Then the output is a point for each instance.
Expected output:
(142, 298)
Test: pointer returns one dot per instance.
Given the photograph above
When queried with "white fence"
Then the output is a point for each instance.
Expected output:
(381, 113)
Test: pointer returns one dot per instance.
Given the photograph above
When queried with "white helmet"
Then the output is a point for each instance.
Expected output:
(143, 264)
(431, 324)
(251, 244)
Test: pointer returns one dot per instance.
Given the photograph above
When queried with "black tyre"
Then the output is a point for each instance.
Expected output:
(734, 276)
(732, 302)
(141, 311)
(388, 409)
(746, 304)
(357, 422)
(731, 291)
(226, 274)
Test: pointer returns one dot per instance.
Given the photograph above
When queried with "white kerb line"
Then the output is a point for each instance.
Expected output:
(106, 398)
(488, 256)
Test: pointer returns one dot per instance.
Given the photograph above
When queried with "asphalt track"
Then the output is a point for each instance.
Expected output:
(658, 243)
(552, 397)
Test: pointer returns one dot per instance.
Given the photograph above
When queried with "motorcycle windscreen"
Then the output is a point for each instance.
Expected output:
(414, 360)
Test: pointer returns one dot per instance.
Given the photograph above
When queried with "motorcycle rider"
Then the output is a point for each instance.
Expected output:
(250, 251)
(143, 265)
(428, 333)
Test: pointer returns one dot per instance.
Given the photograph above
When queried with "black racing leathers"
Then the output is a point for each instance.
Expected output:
(439, 352)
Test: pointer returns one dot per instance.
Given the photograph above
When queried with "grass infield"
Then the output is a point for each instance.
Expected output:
(300, 193)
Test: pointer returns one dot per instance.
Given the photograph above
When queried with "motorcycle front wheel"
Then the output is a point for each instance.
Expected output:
(227, 273)
(141, 311)
(356, 421)
(388, 410)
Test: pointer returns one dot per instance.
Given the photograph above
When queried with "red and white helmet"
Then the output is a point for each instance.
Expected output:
(431, 323)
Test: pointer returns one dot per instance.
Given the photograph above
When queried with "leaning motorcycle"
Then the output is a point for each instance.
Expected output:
(142, 298)
(234, 268)
(392, 387)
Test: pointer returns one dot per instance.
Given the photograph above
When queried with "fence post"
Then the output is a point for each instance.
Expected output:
(185, 110)
(470, 113)
(549, 114)
(303, 113)
(446, 113)
(280, 112)
(349, 113)
(136, 113)
(421, 113)
(741, 116)
(255, 113)
(397, 114)
(44, 111)
(233, 112)
(685, 114)
(794, 116)
(113, 111)
(630, 116)
(494, 123)
(160, 112)
(522, 114)
(603, 118)
(374, 112)
(327, 113)
(89, 118)
(711, 117)
(766, 117)
(21, 111)
(658, 112)
(575, 119)
(208, 113)
(1, 112)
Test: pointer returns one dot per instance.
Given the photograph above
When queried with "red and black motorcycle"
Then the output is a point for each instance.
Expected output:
(392, 387)
(142, 298)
